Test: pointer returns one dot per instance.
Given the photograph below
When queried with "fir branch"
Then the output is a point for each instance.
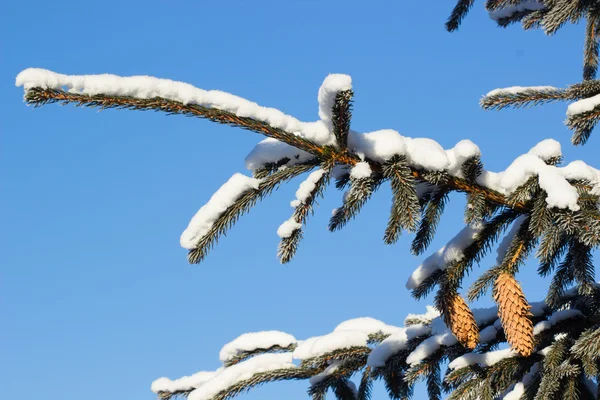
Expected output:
(241, 206)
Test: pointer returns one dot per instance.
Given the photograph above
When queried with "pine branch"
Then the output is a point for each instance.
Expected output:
(523, 98)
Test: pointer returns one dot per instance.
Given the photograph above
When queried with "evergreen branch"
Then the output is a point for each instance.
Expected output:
(39, 96)
(366, 385)
(590, 55)
(288, 245)
(360, 192)
(405, 203)
(430, 218)
(242, 205)
(458, 13)
(341, 115)
(526, 97)
(248, 354)
(262, 378)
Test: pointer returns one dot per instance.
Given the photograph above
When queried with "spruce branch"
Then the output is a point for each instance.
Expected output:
(288, 245)
(405, 203)
(590, 55)
(242, 205)
(360, 191)
(458, 13)
(341, 115)
(38, 96)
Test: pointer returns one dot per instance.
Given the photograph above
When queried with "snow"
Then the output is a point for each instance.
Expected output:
(378, 146)
(327, 372)
(223, 198)
(244, 370)
(319, 345)
(426, 318)
(255, 340)
(507, 240)
(457, 155)
(554, 319)
(520, 89)
(288, 227)
(484, 359)
(451, 252)
(147, 87)
(272, 150)
(546, 149)
(394, 343)
(440, 336)
(367, 325)
(519, 389)
(506, 12)
(361, 170)
(583, 105)
(307, 187)
(488, 334)
(332, 85)
(182, 384)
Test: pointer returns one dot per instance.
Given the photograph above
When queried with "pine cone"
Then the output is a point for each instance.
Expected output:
(461, 322)
(513, 310)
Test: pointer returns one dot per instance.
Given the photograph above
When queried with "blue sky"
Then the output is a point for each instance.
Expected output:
(96, 296)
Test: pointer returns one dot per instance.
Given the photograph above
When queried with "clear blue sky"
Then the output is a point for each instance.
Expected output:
(96, 296)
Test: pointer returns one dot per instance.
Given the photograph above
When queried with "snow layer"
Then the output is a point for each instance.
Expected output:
(182, 384)
(318, 378)
(367, 325)
(223, 198)
(361, 170)
(319, 345)
(506, 12)
(519, 389)
(272, 150)
(451, 252)
(554, 319)
(255, 340)
(547, 149)
(288, 227)
(240, 372)
(147, 87)
(440, 336)
(332, 85)
(484, 359)
(583, 105)
(425, 318)
(394, 343)
(306, 187)
(519, 89)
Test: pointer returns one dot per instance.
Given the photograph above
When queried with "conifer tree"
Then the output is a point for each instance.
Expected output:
(535, 208)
